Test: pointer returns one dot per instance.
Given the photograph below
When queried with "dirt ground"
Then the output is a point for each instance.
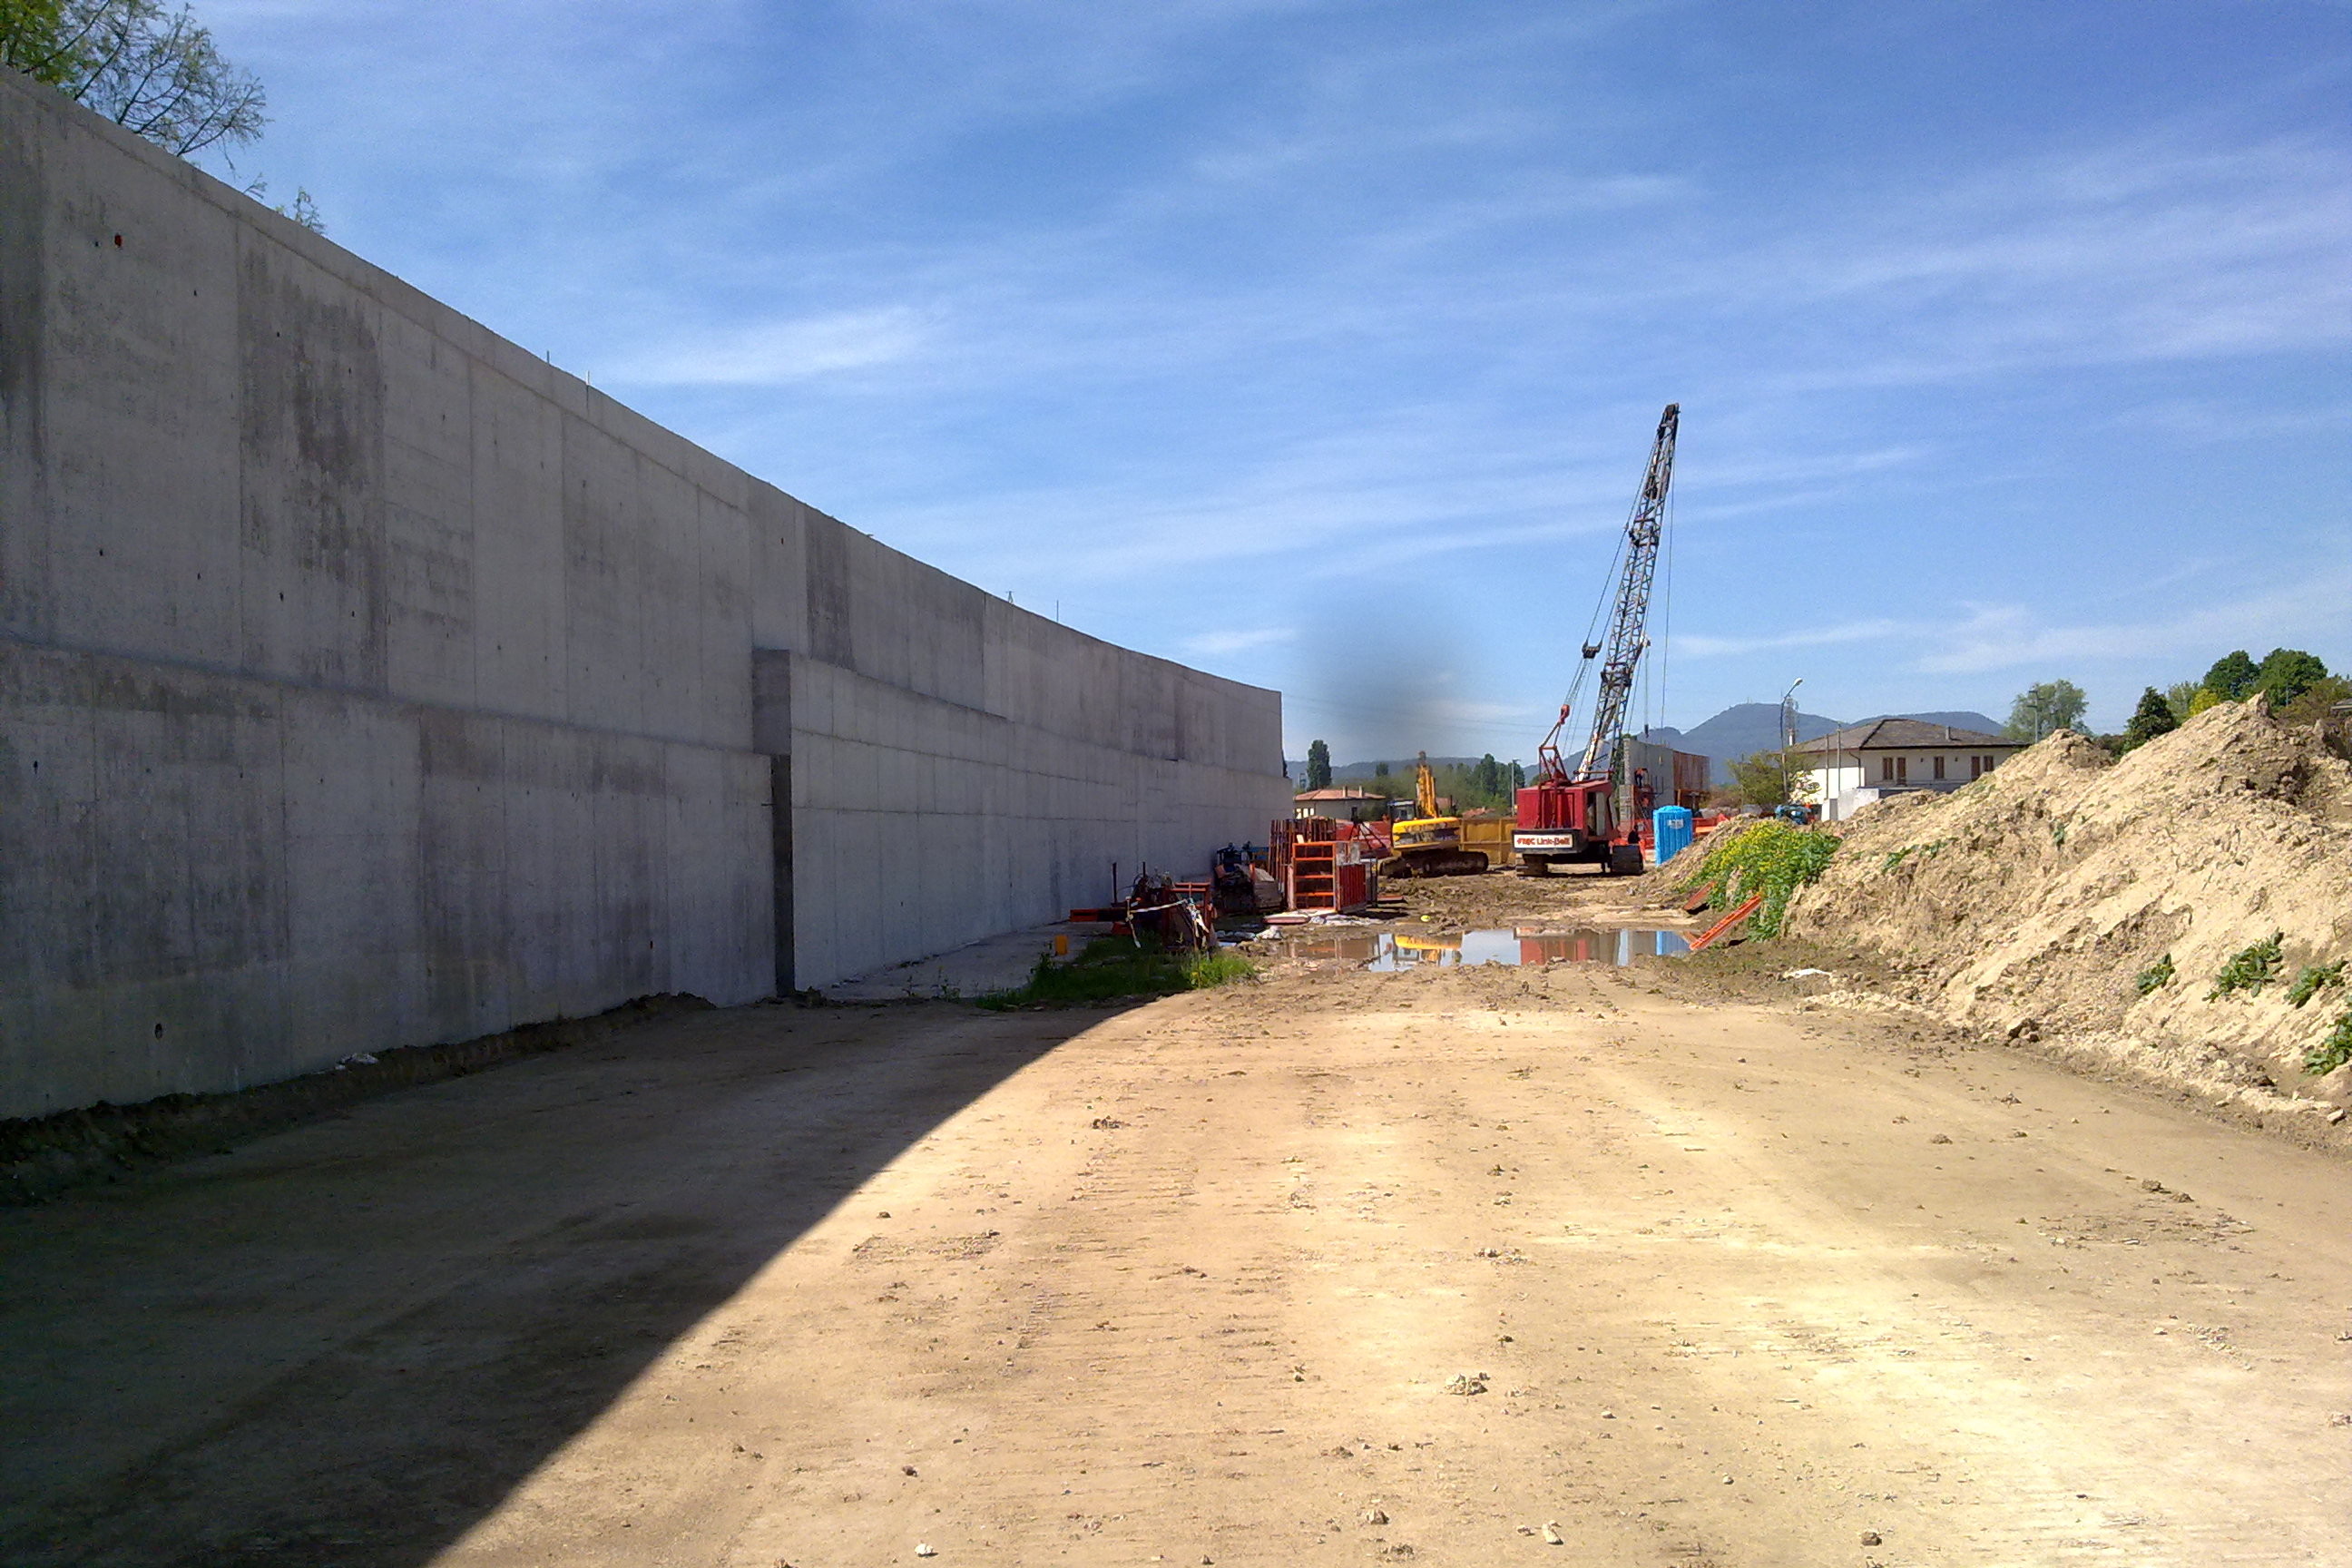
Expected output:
(1332, 1267)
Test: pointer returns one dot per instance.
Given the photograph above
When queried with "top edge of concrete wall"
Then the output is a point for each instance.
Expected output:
(696, 465)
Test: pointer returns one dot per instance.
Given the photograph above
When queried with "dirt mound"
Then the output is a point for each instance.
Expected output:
(2046, 899)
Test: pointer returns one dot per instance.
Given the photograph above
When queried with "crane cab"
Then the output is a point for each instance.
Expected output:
(1562, 824)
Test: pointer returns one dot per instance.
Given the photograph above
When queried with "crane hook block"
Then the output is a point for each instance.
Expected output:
(1591, 649)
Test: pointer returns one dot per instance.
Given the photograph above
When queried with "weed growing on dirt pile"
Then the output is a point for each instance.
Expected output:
(2250, 968)
(1924, 852)
(1773, 859)
(2155, 977)
(2335, 1049)
(2315, 975)
(1115, 966)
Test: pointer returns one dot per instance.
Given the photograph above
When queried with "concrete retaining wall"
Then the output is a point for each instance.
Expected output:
(365, 682)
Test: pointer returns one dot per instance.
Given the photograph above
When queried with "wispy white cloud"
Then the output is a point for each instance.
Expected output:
(1215, 644)
(2138, 250)
(2207, 419)
(1374, 306)
(769, 353)
(2013, 636)
(1699, 644)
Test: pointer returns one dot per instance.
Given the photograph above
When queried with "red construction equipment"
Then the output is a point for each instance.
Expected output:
(1726, 923)
(1324, 865)
(1567, 819)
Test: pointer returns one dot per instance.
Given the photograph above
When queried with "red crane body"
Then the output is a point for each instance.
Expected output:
(1567, 818)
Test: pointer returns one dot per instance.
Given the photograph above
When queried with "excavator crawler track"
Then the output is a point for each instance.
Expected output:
(1434, 863)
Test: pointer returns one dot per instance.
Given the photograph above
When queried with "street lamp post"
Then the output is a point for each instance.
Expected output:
(1789, 733)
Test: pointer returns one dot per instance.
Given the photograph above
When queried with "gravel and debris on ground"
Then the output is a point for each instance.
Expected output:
(1745, 1271)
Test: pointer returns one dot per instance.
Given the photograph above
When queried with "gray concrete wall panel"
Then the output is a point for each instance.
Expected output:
(778, 550)
(366, 680)
(310, 396)
(208, 881)
(516, 518)
(921, 824)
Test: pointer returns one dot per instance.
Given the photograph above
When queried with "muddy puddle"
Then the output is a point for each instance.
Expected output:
(1390, 950)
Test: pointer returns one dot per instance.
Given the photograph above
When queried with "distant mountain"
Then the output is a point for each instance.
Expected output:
(1356, 773)
(1739, 731)
(1746, 728)
(1361, 773)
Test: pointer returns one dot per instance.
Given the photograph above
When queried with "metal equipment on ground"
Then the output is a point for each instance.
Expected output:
(1429, 844)
(1323, 865)
(1570, 818)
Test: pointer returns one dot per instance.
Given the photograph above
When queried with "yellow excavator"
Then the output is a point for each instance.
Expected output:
(1426, 843)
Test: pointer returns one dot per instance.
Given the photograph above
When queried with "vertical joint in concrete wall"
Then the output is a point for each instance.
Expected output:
(772, 733)
(24, 299)
(780, 785)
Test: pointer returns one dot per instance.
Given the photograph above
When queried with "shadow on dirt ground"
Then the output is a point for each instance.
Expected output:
(347, 1342)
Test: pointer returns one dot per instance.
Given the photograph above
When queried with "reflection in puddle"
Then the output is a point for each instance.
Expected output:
(1389, 951)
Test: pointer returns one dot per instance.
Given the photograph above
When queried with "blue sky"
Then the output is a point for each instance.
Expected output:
(1319, 343)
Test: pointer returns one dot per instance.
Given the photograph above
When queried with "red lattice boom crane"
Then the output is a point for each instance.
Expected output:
(1569, 818)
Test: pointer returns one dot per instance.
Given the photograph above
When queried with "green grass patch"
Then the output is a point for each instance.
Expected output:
(1111, 967)
(2250, 968)
(1927, 851)
(1774, 858)
(2315, 976)
(2333, 1049)
(2154, 977)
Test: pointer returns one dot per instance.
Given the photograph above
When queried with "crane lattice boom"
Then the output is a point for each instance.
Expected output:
(1627, 639)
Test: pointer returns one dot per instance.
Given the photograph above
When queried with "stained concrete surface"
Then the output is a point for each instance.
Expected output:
(366, 680)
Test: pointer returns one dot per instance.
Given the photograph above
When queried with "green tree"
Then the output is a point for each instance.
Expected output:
(1379, 770)
(2046, 709)
(2286, 673)
(2178, 696)
(1319, 765)
(2232, 676)
(31, 39)
(1761, 779)
(1486, 779)
(1519, 777)
(2153, 718)
(2313, 702)
(153, 72)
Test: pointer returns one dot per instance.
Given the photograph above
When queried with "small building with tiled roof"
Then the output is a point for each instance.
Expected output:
(1850, 768)
(1343, 802)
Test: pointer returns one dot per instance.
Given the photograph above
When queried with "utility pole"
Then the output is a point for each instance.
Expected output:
(1789, 735)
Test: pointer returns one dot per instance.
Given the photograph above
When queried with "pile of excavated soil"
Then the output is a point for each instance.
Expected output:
(2032, 900)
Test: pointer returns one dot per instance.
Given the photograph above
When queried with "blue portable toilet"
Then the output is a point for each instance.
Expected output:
(1671, 825)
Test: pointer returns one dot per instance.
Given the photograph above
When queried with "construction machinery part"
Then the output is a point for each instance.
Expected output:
(1414, 862)
(1629, 621)
(1430, 845)
(1570, 818)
